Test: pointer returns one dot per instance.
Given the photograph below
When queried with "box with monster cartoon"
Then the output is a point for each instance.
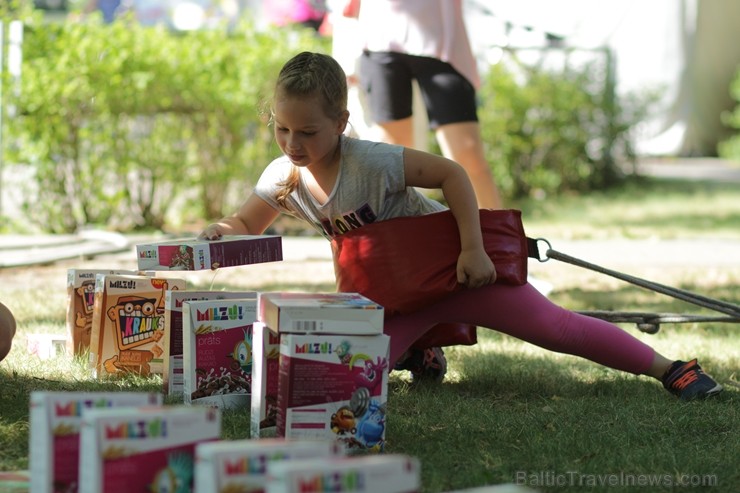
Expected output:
(80, 298)
(127, 333)
(333, 387)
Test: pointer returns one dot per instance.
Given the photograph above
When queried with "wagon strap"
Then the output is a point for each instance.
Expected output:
(688, 296)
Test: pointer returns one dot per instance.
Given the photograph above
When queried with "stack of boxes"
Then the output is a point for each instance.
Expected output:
(55, 422)
(332, 381)
(313, 368)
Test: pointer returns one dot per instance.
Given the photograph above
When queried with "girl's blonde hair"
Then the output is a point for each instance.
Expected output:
(311, 75)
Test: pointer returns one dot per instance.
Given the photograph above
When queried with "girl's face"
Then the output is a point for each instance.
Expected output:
(303, 131)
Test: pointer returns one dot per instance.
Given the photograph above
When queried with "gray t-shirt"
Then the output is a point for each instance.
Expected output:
(370, 187)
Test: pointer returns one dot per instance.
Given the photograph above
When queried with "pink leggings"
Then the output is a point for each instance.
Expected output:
(522, 312)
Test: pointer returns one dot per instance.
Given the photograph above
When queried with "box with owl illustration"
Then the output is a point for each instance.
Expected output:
(173, 343)
(217, 352)
(127, 334)
(129, 449)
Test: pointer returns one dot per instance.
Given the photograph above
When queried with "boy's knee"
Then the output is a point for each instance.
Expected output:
(7, 330)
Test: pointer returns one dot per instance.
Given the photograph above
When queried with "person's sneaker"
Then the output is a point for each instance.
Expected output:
(688, 381)
(424, 364)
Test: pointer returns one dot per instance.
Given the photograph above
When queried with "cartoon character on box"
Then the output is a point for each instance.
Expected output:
(343, 421)
(370, 427)
(177, 477)
(86, 292)
(138, 321)
(242, 355)
(361, 424)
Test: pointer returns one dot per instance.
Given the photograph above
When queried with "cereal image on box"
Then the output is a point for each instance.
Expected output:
(217, 357)
(128, 324)
(194, 254)
(334, 387)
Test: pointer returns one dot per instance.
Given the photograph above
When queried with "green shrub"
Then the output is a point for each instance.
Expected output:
(730, 148)
(137, 127)
(551, 130)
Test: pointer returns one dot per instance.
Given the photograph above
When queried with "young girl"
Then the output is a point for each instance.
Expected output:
(324, 175)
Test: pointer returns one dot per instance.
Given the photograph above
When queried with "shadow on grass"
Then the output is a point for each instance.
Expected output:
(277, 286)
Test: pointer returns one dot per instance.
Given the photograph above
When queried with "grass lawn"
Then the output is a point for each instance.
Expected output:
(507, 411)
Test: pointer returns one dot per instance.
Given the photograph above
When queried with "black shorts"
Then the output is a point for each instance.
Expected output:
(386, 79)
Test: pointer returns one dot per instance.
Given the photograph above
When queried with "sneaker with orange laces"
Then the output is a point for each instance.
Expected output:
(424, 364)
(688, 381)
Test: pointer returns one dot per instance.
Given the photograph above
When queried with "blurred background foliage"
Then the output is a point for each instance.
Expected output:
(129, 127)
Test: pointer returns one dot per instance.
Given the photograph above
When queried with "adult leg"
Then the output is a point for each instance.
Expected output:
(462, 143)
(400, 132)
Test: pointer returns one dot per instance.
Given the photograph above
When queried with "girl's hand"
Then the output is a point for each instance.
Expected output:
(475, 268)
(212, 232)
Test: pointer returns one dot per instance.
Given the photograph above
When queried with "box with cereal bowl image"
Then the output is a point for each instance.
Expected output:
(128, 324)
(334, 387)
(194, 254)
(233, 466)
(54, 440)
(217, 352)
(144, 449)
(172, 376)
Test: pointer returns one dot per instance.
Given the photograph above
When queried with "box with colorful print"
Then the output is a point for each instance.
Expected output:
(128, 324)
(217, 352)
(265, 370)
(229, 251)
(391, 473)
(54, 441)
(331, 313)
(172, 376)
(143, 449)
(80, 298)
(229, 466)
(334, 387)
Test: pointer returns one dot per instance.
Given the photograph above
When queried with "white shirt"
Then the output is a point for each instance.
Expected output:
(370, 187)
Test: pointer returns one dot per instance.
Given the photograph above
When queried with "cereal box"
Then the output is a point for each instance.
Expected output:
(265, 370)
(391, 473)
(173, 342)
(229, 251)
(230, 466)
(128, 324)
(80, 298)
(334, 387)
(143, 449)
(337, 313)
(217, 351)
(54, 441)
